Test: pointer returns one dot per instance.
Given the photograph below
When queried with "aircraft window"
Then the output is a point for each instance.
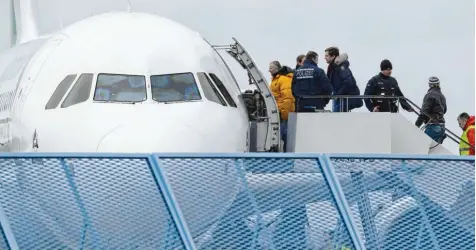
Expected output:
(209, 90)
(223, 90)
(120, 88)
(60, 91)
(80, 91)
(174, 88)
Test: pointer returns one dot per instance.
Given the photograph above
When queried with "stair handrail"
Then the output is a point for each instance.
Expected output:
(444, 127)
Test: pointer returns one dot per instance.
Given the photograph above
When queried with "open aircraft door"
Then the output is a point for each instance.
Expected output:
(262, 107)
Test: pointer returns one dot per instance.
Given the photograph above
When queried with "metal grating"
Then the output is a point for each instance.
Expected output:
(410, 203)
(3, 240)
(256, 203)
(87, 203)
(236, 201)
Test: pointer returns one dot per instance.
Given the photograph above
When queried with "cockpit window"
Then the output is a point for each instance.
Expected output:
(209, 90)
(174, 88)
(60, 91)
(120, 88)
(80, 92)
(223, 90)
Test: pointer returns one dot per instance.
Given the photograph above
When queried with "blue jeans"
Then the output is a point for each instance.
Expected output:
(435, 132)
(284, 132)
(340, 105)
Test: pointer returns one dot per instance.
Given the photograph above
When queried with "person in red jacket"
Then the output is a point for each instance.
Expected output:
(466, 123)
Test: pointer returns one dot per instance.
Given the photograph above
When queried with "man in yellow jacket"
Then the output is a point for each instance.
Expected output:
(281, 78)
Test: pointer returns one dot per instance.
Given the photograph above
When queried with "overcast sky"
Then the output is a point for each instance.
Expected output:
(421, 38)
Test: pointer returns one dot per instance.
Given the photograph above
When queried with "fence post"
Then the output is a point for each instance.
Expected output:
(341, 202)
(6, 230)
(166, 189)
(421, 208)
(82, 208)
(365, 210)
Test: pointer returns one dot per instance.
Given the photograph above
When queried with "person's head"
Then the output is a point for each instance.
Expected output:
(386, 67)
(463, 119)
(300, 59)
(434, 82)
(311, 55)
(274, 67)
(331, 54)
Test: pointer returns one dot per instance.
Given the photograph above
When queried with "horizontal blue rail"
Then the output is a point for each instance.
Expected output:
(237, 155)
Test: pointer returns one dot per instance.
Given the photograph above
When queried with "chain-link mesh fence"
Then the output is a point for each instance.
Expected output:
(256, 203)
(410, 203)
(87, 203)
(240, 201)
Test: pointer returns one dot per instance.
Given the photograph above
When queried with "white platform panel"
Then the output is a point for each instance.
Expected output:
(359, 133)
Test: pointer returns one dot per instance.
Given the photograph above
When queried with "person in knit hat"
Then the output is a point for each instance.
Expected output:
(384, 84)
(433, 110)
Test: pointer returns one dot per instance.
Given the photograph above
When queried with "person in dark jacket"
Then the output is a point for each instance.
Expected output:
(342, 80)
(310, 80)
(433, 111)
(300, 61)
(384, 84)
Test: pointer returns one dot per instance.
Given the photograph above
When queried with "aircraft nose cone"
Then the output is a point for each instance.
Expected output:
(154, 137)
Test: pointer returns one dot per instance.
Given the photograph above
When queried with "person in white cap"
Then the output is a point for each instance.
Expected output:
(433, 111)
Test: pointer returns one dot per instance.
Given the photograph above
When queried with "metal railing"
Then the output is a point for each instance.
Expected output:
(250, 201)
(344, 99)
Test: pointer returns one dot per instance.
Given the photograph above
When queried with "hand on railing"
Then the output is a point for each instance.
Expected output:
(448, 133)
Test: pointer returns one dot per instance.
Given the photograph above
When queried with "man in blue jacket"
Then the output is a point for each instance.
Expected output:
(310, 80)
(342, 80)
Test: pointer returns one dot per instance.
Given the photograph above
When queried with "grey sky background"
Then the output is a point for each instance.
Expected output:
(421, 38)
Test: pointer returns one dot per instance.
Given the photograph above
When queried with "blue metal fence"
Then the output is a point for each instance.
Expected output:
(236, 201)
(410, 202)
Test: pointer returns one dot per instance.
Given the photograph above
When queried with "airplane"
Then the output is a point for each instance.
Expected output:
(114, 88)
(125, 82)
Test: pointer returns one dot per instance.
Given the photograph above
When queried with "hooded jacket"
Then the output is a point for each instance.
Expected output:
(281, 89)
(468, 135)
(343, 83)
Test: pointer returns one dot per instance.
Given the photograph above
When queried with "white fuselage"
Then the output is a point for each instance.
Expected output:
(88, 114)
(126, 44)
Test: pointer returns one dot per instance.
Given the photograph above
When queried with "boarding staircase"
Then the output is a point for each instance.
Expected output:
(362, 132)
(329, 131)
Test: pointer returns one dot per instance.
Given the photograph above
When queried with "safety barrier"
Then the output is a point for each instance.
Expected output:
(343, 103)
(236, 201)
